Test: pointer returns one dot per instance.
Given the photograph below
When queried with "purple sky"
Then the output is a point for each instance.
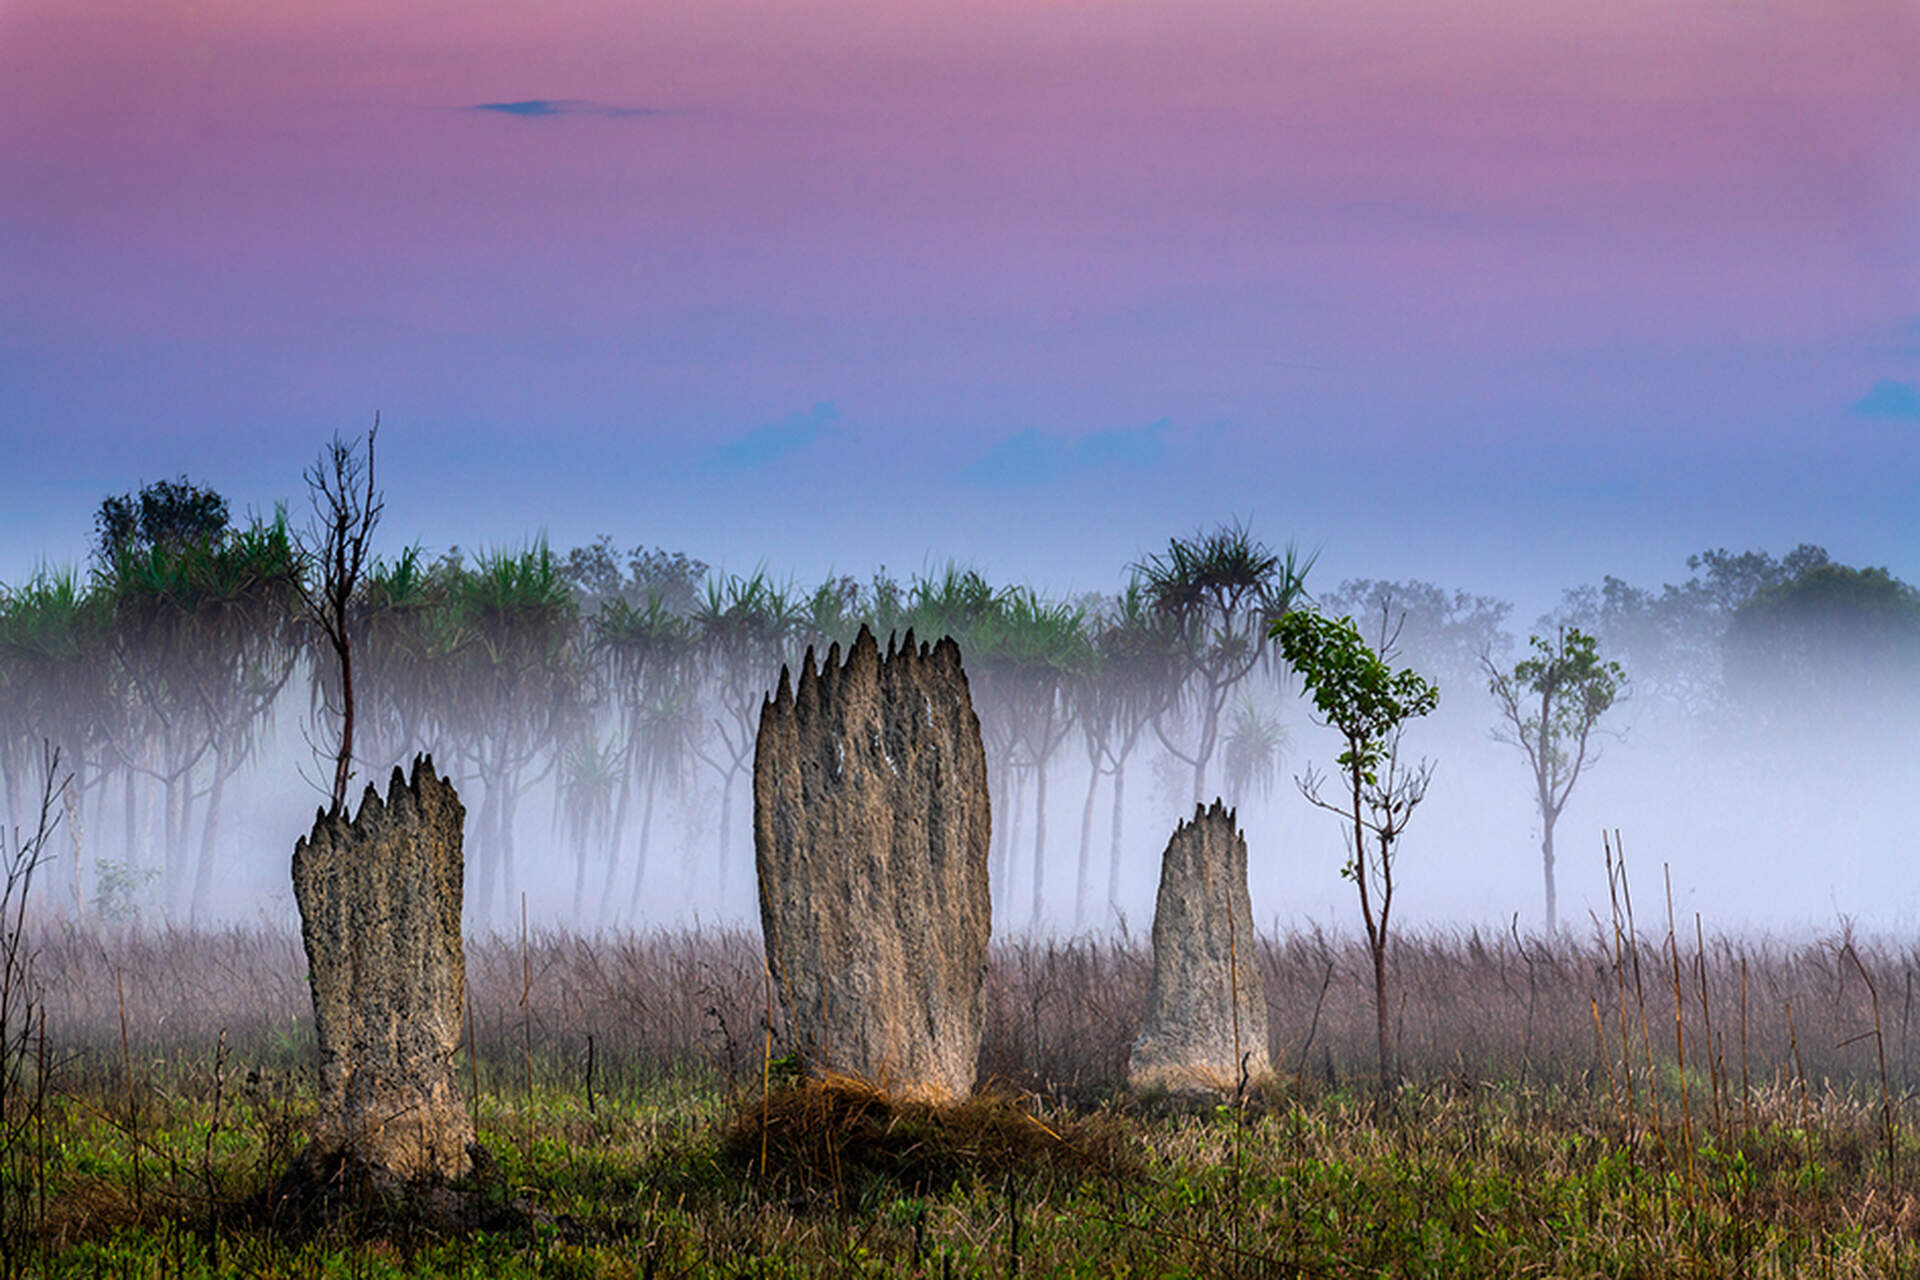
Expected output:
(1502, 295)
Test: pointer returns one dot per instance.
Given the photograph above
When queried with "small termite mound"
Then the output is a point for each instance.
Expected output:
(379, 899)
(1198, 1039)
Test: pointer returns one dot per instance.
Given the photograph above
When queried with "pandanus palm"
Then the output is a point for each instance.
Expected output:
(1035, 651)
(1133, 659)
(645, 655)
(1217, 593)
(592, 774)
(55, 686)
(204, 633)
(962, 604)
(513, 670)
(746, 628)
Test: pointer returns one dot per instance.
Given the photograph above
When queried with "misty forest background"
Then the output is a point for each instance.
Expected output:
(597, 707)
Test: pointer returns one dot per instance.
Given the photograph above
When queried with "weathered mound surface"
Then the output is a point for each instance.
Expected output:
(870, 828)
(379, 901)
(1203, 952)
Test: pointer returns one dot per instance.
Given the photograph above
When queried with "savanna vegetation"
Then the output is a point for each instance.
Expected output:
(597, 707)
(1629, 1096)
(1634, 1103)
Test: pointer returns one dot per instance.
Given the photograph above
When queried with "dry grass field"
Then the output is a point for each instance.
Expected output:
(1675, 1104)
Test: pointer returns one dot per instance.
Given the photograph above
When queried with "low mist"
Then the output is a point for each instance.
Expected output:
(596, 710)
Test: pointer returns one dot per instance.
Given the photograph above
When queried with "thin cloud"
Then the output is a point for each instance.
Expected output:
(1034, 458)
(1890, 399)
(764, 446)
(545, 108)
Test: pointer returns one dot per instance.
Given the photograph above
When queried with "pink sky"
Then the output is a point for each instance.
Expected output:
(1481, 233)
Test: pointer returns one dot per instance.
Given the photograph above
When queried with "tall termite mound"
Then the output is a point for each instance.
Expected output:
(870, 826)
(379, 901)
(1203, 954)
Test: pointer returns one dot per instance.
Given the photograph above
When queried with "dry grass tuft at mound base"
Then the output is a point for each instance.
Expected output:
(829, 1142)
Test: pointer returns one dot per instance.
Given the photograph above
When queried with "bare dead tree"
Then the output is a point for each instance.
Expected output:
(20, 858)
(346, 507)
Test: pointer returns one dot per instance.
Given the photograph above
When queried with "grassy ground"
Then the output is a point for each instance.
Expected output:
(1489, 1181)
(635, 1123)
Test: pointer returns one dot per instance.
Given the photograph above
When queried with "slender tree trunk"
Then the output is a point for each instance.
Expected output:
(343, 646)
(130, 854)
(1546, 867)
(997, 785)
(179, 812)
(76, 809)
(209, 838)
(614, 844)
(481, 904)
(580, 878)
(1203, 750)
(1016, 794)
(11, 776)
(1380, 1014)
(1113, 838)
(1039, 844)
(640, 853)
(508, 812)
(1086, 849)
(726, 830)
(1376, 943)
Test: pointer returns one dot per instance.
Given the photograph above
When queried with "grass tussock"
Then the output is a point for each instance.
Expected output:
(838, 1141)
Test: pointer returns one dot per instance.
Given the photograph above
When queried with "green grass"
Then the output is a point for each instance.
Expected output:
(1521, 1145)
(1489, 1180)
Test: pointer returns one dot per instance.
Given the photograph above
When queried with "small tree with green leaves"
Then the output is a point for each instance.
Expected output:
(1369, 703)
(1550, 706)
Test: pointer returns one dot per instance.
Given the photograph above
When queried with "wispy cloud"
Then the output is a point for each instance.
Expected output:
(1035, 457)
(1890, 399)
(546, 108)
(764, 446)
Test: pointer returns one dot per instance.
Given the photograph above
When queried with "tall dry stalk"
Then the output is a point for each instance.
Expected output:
(1880, 1046)
(1680, 1037)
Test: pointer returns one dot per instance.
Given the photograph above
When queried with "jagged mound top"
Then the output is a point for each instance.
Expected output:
(1216, 812)
(406, 795)
(864, 663)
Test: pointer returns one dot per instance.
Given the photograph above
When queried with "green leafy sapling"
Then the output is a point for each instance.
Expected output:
(1359, 695)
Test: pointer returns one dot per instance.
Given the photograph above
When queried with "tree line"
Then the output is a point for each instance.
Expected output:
(614, 682)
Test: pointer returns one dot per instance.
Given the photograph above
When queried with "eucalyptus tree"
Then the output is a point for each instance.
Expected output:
(1217, 593)
(512, 670)
(1830, 637)
(204, 634)
(1369, 704)
(1550, 708)
(600, 574)
(745, 628)
(1676, 640)
(1443, 634)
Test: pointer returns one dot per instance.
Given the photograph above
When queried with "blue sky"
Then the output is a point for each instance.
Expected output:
(1501, 297)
